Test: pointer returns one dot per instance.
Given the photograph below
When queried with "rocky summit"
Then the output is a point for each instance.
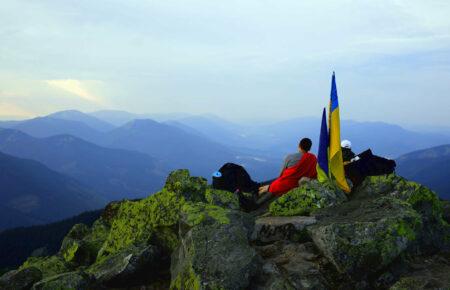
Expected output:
(388, 234)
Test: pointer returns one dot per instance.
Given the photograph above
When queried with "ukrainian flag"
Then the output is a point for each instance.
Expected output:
(336, 164)
(322, 156)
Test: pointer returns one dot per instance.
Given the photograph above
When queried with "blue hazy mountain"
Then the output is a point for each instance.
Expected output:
(120, 118)
(9, 124)
(282, 137)
(42, 127)
(430, 167)
(171, 145)
(114, 173)
(214, 128)
(74, 115)
(31, 193)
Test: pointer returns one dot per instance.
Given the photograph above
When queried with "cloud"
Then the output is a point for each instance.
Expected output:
(8, 110)
(77, 88)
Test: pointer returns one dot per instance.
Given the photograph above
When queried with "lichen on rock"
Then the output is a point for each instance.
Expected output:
(190, 236)
(190, 187)
(72, 280)
(132, 266)
(139, 221)
(196, 213)
(21, 279)
(214, 253)
(369, 236)
(49, 266)
(307, 198)
(222, 198)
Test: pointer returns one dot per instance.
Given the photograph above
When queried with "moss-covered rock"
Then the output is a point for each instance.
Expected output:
(74, 249)
(190, 187)
(435, 231)
(425, 272)
(307, 198)
(196, 213)
(66, 281)
(20, 279)
(214, 253)
(133, 266)
(362, 238)
(421, 198)
(49, 266)
(141, 221)
(222, 198)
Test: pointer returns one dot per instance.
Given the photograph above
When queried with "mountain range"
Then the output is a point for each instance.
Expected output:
(114, 154)
(279, 138)
(31, 193)
(112, 173)
(175, 147)
(430, 167)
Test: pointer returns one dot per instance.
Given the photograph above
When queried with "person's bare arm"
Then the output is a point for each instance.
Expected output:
(284, 166)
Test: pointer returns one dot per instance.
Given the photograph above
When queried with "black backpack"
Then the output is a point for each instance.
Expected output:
(368, 165)
(234, 178)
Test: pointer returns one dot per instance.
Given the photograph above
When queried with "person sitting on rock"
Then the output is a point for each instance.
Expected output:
(347, 154)
(297, 166)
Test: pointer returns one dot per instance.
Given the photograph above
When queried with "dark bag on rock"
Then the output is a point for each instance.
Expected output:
(234, 177)
(368, 165)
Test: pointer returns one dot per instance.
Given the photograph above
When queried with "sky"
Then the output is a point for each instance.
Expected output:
(241, 60)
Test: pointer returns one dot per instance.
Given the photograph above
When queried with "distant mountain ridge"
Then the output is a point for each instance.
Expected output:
(282, 137)
(430, 167)
(113, 173)
(74, 115)
(35, 194)
(42, 127)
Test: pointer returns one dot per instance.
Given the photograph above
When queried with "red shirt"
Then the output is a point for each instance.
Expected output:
(305, 167)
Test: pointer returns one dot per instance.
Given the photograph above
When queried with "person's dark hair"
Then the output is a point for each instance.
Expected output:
(305, 144)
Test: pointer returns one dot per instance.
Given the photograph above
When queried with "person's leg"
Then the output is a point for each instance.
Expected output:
(264, 197)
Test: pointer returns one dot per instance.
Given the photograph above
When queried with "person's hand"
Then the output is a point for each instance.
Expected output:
(263, 189)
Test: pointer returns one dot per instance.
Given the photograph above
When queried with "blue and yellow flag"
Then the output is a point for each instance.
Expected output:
(322, 156)
(336, 164)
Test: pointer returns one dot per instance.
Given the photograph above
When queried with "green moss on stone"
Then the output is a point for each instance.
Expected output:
(421, 195)
(222, 198)
(191, 188)
(49, 266)
(196, 213)
(306, 199)
(70, 250)
(186, 280)
(407, 283)
(138, 221)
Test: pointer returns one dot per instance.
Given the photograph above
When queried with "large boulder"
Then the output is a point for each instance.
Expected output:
(288, 265)
(70, 280)
(362, 237)
(150, 220)
(49, 266)
(435, 233)
(74, 249)
(214, 252)
(307, 198)
(426, 273)
(20, 279)
(271, 229)
(136, 265)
